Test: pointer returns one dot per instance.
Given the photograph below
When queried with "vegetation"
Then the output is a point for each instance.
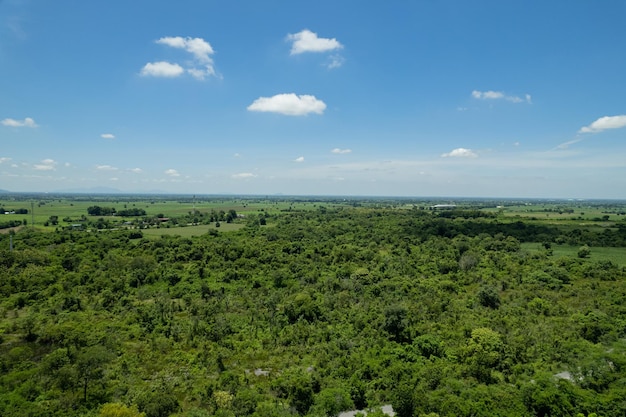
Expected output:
(311, 308)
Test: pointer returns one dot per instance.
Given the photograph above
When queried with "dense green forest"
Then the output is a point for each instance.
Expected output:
(311, 313)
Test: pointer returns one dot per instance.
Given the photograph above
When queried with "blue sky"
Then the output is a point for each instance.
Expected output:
(400, 98)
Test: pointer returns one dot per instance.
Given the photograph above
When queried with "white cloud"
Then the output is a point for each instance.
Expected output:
(4, 159)
(200, 67)
(107, 136)
(105, 168)
(604, 123)
(485, 95)
(162, 69)
(299, 159)
(198, 47)
(336, 61)
(460, 153)
(307, 41)
(201, 74)
(243, 175)
(46, 165)
(172, 173)
(341, 151)
(499, 95)
(566, 145)
(136, 170)
(27, 122)
(288, 104)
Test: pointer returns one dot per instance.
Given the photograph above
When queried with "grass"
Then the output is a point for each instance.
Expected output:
(615, 255)
(74, 208)
(188, 231)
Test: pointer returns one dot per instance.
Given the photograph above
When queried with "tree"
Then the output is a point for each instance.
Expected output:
(332, 401)
(488, 297)
(89, 365)
(404, 401)
(584, 251)
(483, 353)
(119, 410)
(396, 322)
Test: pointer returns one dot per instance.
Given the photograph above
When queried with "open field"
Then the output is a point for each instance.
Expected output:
(615, 255)
(188, 231)
(69, 209)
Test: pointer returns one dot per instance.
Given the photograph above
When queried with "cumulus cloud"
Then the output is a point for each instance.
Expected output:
(604, 123)
(288, 104)
(307, 41)
(46, 165)
(243, 175)
(4, 159)
(200, 67)
(162, 69)
(106, 168)
(499, 95)
(198, 47)
(341, 151)
(27, 122)
(136, 170)
(107, 136)
(172, 173)
(201, 73)
(460, 153)
(299, 159)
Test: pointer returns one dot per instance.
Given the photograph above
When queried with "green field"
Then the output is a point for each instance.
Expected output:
(615, 255)
(41, 209)
(188, 231)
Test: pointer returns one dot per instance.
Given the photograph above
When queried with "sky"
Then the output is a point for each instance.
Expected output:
(415, 98)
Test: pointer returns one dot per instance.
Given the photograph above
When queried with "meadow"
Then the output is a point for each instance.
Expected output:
(615, 255)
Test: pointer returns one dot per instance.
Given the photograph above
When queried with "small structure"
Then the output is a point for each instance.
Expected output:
(443, 207)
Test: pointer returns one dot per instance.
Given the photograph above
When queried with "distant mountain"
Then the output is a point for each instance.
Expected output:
(4, 191)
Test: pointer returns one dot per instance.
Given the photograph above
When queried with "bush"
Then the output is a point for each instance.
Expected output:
(584, 251)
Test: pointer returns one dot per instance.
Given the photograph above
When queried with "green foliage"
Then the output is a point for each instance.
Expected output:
(396, 322)
(331, 401)
(317, 312)
(545, 396)
(119, 410)
(488, 297)
(483, 353)
(584, 251)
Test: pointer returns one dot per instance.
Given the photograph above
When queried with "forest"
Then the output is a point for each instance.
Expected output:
(313, 308)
